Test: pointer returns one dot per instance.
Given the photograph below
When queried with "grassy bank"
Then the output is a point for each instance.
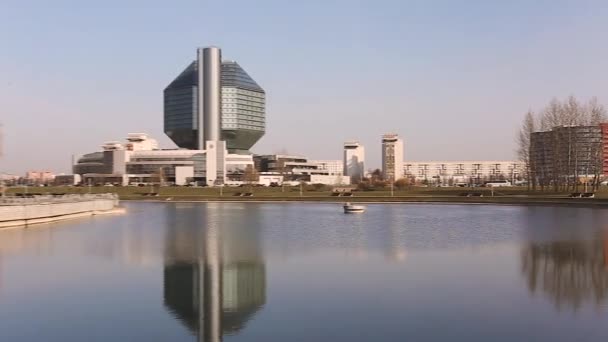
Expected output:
(512, 195)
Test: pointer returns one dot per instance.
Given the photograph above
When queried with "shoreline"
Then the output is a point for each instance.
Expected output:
(511, 196)
(57, 218)
(523, 201)
(15, 212)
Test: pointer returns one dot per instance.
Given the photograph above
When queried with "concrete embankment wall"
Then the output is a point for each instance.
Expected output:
(31, 213)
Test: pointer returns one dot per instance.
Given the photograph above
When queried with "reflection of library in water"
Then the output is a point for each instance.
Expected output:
(214, 282)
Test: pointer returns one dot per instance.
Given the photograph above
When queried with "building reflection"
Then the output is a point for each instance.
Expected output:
(214, 273)
(571, 272)
(395, 249)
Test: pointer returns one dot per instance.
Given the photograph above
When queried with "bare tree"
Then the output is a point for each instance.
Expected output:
(250, 176)
(552, 115)
(573, 113)
(597, 112)
(282, 172)
(523, 141)
(402, 183)
(575, 153)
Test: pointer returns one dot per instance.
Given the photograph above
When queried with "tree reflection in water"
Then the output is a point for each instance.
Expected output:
(570, 272)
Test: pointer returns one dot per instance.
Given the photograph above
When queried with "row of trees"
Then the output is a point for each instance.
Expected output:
(376, 180)
(572, 158)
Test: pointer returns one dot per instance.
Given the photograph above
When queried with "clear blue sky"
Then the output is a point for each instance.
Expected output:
(453, 78)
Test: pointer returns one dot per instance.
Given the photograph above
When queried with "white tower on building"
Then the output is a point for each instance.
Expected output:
(354, 160)
(392, 157)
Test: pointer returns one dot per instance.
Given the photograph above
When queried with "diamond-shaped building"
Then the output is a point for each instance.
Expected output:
(242, 112)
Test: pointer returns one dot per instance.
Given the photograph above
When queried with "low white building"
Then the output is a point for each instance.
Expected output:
(140, 142)
(8, 177)
(140, 161)
(295, 169)
(334, 167)
(329, 179)
(446, 172)
(268, 178)
(39, 177)
(238, 163)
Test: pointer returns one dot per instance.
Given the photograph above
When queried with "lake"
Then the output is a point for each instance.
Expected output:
(308, 272)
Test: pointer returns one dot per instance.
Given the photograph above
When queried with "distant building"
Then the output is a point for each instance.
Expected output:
(39, 177)
(236, 166)
(354, 160)
(140, 142)
(459, 172)
(213, 111)
(145, 166)
(392, 157)
(270, 178)
(69, 180)
(282, 163)
(8, 177)
(604, 153)
(567, 152)
(299, 169)
(116, 164)
(139, 161)
(335, 167)
(7, 180)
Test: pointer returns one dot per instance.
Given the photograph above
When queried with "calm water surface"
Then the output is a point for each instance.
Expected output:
(307, 272)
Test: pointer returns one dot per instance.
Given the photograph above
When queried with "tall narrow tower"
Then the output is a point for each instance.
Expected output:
(392, 157)
(354, 160)
(209, 95)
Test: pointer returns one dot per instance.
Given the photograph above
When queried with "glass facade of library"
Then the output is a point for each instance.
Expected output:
(243, 108)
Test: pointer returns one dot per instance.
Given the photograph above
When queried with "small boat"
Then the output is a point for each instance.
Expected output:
(352, 208)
